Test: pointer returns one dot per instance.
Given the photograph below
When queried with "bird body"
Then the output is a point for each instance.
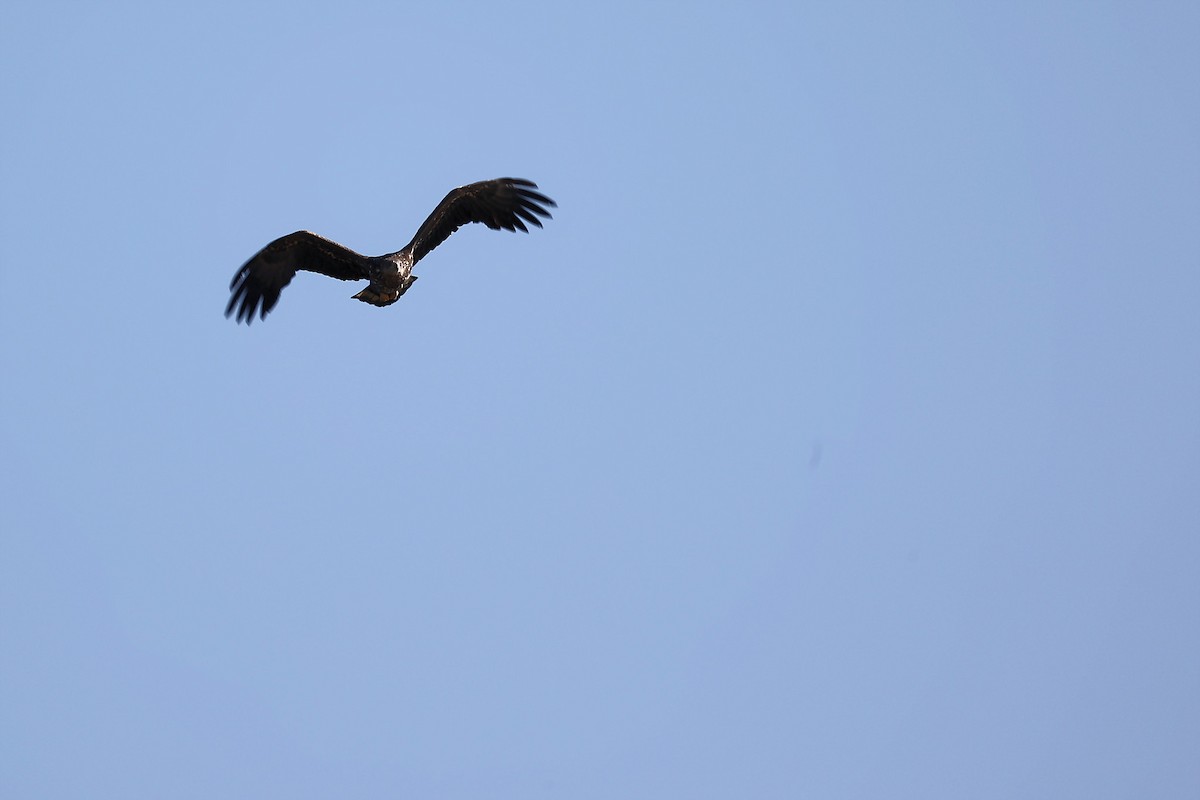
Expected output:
(504, 203)
(390, 275)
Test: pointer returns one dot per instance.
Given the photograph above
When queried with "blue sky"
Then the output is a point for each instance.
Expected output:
(839, 438)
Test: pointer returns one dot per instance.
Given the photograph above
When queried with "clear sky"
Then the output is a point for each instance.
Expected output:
(839, 438)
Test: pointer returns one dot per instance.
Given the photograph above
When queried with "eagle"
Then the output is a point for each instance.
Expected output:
(503, 203)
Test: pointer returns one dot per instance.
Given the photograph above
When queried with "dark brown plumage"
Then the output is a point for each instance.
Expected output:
(504, 203)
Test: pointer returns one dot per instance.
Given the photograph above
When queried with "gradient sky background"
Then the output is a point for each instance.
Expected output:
(839, 438)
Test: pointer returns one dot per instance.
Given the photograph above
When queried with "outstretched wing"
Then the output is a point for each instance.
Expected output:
(506, 203)
(257, 285)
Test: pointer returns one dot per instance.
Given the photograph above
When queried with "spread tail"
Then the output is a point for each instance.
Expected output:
(381, 298)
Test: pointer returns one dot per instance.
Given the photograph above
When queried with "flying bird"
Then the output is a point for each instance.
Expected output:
(504, 203)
